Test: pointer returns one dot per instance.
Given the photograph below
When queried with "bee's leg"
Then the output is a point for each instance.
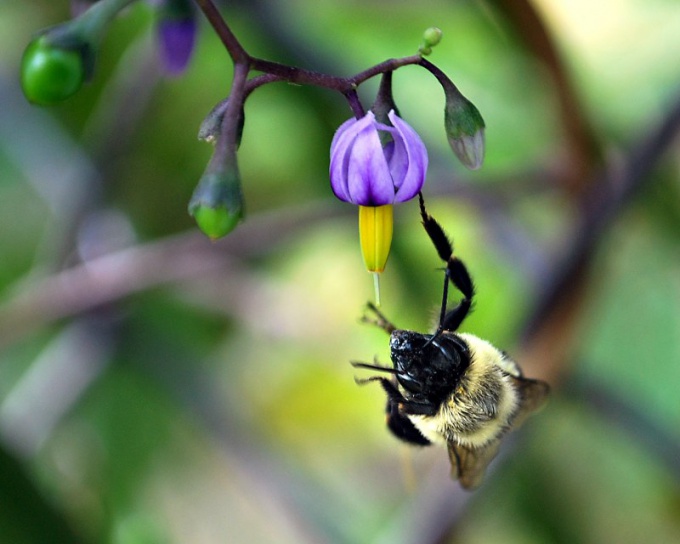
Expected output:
(398, 423)
(406, 406)
(459, 276)
(379, 320)
(455, 272)
(402, 427)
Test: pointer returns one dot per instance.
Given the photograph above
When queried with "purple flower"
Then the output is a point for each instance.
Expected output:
(176, 38)
(365, 173)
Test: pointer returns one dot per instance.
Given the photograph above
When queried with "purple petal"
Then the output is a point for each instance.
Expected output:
(176, 38)
(414, 177)
(347, 125)
(397, 157)
(341, 146)
(369, 180)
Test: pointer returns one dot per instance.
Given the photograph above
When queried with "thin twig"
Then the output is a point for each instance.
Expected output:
(236, 51)
(294, 74)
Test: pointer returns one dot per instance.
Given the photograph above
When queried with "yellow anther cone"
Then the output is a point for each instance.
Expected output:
(375, 235)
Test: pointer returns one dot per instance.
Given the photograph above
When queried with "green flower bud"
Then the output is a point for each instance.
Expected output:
(431, 37)
(51, 73)
(217, 202)
(464, 129)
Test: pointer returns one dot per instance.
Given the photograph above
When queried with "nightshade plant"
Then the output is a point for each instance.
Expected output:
(377, 159)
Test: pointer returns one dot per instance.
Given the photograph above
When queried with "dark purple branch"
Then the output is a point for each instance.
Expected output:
(275, 71)
(236, 51)
(443, 79)
(228, 140)
(354, 103)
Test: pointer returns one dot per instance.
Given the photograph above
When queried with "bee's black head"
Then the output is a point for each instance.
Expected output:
(428, 368)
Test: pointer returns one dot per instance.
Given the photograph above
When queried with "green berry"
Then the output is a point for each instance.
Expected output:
(50, 74)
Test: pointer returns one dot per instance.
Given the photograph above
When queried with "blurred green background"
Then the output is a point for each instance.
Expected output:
(155, 387)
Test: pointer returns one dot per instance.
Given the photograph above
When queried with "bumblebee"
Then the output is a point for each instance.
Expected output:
(449, 387)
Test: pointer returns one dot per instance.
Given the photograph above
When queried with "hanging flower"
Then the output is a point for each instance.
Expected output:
(375, 177)
(364, 173)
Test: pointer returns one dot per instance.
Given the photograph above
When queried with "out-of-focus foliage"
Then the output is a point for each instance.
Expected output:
(169, 398)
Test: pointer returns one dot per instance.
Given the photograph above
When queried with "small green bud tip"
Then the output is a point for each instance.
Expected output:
(215, 222)
(432, 36)
(50, 74)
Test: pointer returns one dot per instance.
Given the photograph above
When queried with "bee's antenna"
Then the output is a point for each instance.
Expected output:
(376, 367)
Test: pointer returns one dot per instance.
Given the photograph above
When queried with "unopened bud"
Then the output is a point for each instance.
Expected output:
(464, 129)
(431, 37)
(217, 202)
(176, 32)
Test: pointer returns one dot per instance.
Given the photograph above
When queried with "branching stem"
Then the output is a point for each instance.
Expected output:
(274, 71)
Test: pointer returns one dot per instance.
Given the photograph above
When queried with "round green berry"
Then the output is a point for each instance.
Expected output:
(50, 74)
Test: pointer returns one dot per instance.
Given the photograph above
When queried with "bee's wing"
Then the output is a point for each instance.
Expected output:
(532, 396)
(468, 464)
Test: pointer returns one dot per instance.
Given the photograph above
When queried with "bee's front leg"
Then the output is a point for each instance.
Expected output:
(379, 320)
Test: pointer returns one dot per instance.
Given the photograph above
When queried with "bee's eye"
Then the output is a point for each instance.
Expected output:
(409, 383)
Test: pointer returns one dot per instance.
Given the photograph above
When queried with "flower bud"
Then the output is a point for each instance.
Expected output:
(217, 202)
(464, 129)
(50, 72)
(176, 31)
(431, 37)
